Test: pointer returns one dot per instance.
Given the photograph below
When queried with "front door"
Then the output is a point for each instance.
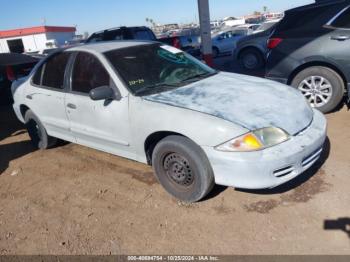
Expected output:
(102, 125)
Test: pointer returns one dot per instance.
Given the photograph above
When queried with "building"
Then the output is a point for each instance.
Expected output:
(274, 16)
(34, 38)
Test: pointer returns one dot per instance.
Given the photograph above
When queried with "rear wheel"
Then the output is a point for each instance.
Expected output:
(182, 168)
(40, 138)
(322, 87)
(251, 59)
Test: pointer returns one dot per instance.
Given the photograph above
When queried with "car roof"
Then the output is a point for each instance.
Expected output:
(121, 27)
(102, 47)
(12, 59)
(318, 3)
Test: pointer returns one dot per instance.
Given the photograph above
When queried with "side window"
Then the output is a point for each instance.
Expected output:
(54, 71)
(343, 21)
(113, 35)
(88, 73)
(95, 38)
(37, 76)
(142, 35)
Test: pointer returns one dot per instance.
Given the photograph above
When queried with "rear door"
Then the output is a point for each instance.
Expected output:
(103, 125)
(46, 93)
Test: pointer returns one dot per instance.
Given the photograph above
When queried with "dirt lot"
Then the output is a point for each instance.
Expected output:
(75, 200)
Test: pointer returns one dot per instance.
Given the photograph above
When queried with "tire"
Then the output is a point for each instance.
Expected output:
(182, 168)
(37, 132)
(251, 59)
(332, 96)
(216, 52)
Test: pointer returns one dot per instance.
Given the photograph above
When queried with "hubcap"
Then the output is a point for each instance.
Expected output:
(178, 169)
(250, 61)
(317, 90)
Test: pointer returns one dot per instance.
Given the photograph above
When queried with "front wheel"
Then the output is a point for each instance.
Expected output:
(322, 87)
(182, 168)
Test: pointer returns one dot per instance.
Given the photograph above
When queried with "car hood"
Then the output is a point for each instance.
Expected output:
(248, 101)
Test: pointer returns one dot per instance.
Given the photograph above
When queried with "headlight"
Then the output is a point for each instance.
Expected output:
(255, 140)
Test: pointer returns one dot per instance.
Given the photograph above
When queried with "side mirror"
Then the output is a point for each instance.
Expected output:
(102, 93)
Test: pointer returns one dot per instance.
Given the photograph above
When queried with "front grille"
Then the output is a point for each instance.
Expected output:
(312, 157)
(283, 171)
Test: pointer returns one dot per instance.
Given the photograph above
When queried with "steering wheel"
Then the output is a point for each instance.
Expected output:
(167, 76)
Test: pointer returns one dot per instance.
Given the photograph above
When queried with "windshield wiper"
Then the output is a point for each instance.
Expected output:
(199, 76)
(159, 86)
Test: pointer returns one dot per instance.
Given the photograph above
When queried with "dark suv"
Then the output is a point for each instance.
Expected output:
(123, 33)
(310, 50)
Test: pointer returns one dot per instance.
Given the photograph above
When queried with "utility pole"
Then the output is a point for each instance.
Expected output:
(204, 22)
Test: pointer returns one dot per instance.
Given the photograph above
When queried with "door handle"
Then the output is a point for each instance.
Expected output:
(29, 97)
(71, 106)
(340, 37)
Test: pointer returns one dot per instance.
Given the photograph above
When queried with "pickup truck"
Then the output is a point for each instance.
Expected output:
(189, 44)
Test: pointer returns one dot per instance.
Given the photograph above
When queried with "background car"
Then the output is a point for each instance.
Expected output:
(12, 67)
(310, 51)
(123, 33)
(225, 41)
(189, 43)
(251, 50)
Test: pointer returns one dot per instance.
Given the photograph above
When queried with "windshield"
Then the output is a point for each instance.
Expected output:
(266, 26)
(148, 69)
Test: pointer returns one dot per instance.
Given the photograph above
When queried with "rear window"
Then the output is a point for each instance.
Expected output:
(143, 35)
(305, 19)
(343, 21)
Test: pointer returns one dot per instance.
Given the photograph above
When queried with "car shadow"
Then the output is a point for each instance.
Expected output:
(12, 151)
(298, 181)
(9, 124)
(10, 127)
(342, 224)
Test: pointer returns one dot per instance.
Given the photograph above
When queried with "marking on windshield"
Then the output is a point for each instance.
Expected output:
(136, 82)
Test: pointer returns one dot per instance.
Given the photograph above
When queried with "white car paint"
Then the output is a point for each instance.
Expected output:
(209, 112)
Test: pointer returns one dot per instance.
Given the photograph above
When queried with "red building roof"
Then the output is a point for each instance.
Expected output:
(36, 30)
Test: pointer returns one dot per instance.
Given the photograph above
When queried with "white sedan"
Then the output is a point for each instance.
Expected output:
(155, 104)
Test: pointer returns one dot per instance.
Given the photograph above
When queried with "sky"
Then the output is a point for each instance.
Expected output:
(94, 15)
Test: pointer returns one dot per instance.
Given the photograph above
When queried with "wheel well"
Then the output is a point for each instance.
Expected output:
(324, 64)
(23, 109)
(153, 139)
(247, 48)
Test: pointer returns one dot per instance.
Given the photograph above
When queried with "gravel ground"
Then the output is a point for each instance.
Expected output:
(76, 200)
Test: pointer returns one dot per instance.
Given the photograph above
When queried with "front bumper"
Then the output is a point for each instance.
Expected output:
(273, 166)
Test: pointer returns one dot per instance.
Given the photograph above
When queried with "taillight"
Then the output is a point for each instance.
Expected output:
(10, 73)
(176, 43)
(273, 42)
